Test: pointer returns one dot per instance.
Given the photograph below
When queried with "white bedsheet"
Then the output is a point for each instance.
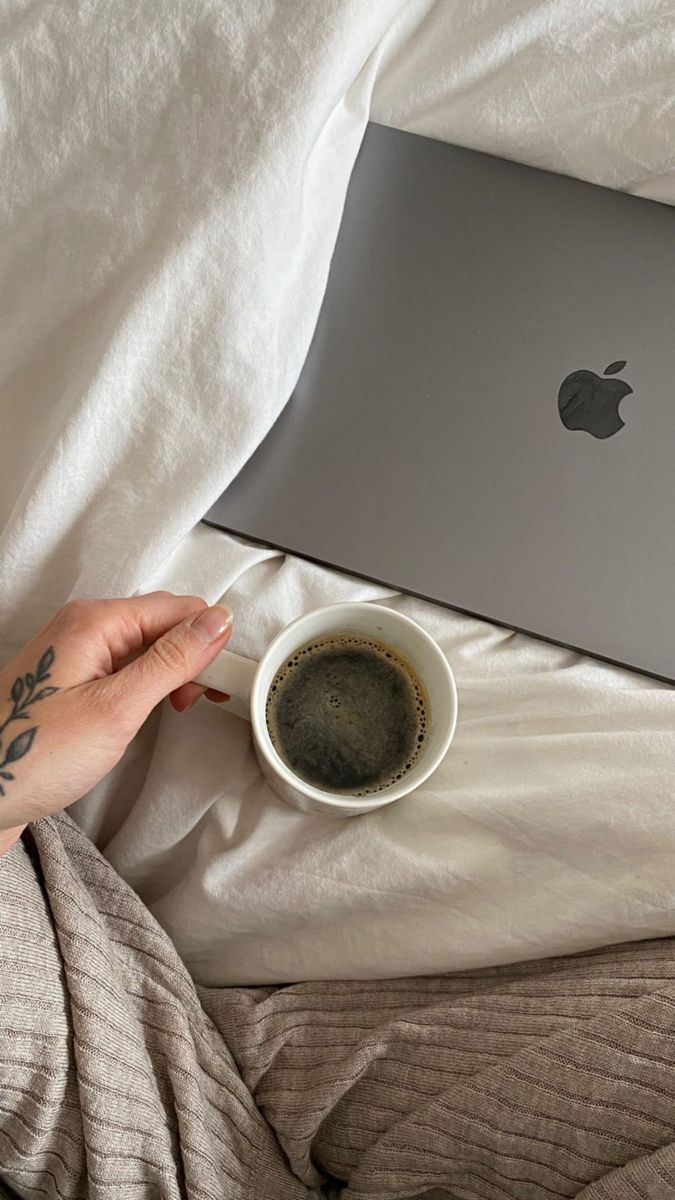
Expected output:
(172, 186)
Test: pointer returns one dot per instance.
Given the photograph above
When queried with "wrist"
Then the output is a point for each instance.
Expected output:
(8, 838)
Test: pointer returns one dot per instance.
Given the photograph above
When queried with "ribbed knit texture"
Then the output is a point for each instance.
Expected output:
(113, 1082)
(553, 1078)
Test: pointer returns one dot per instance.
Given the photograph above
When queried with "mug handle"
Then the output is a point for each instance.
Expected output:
(231, 673)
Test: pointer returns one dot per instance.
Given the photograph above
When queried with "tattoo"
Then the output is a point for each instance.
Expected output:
(23, 694)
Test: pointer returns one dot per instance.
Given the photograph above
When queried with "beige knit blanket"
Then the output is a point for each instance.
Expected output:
(118, 1079)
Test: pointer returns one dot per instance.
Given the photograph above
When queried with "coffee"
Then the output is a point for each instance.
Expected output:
(347, 714)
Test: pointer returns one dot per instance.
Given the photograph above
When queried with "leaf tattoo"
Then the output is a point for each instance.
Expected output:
(45, 663)
(22, 695)
(20, 746)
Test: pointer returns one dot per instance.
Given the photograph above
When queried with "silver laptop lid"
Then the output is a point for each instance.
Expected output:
(486, 416)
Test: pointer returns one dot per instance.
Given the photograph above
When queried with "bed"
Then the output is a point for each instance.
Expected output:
(173, 190)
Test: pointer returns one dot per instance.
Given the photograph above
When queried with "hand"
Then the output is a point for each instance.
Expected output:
(71, 700)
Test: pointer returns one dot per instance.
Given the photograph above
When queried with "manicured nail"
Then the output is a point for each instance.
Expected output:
(211, 624)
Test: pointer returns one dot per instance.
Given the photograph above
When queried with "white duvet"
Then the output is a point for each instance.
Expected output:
(172, 183)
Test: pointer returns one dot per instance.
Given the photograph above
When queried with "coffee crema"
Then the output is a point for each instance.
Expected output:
(347, 714)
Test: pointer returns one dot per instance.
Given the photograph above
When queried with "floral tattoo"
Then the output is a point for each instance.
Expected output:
(23, 694)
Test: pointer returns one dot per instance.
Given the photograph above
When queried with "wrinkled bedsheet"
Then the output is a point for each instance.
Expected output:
(172, 187)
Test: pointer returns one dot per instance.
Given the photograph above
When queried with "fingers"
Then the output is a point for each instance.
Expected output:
(122, 627)
(186, 695)
(189, 693)
(171, 662)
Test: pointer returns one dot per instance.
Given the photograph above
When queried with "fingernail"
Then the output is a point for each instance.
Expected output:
(211, 624)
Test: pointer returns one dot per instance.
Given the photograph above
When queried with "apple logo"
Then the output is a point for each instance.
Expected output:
(587, 401)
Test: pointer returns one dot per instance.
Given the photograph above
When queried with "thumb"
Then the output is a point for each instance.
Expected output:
(175, 658)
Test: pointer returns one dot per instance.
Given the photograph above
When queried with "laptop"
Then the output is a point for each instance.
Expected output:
(486, 415)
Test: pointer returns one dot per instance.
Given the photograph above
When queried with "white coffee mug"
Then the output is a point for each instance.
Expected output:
(248, 683)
